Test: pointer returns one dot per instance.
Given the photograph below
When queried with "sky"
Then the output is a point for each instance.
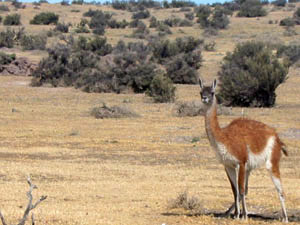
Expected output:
(102, 1)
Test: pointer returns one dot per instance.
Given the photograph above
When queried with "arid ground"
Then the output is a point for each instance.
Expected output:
(127, 171)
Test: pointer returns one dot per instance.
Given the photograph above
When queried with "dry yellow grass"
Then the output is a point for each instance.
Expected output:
(124, 171)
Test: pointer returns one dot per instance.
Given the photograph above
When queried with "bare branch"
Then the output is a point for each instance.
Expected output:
(30, 206)
(2, 219)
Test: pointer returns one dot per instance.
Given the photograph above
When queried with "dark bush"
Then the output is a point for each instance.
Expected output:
(4, 8)
(112, 23)
(0, 19)
(65, 2)
(99, 21)
(62, 27)
(202, 13)
(18, 5)
(141, 31)
(250, 75)
(12, 20)
(219, 19)
(153, 22)
(6, 58)
(289, 22)
(189, 16)
(296, 16)
(45, 18)
(77, 2)
(162, 89)
(279, 3)
(182, 69)
(291, 52)
(134, 23)
(121, 5)
(32, 42)
(181, 3)
(144, 14)
(252, 8)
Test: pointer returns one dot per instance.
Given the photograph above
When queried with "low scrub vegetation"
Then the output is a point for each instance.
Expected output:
(105, 112)
(250, 75)
(45, 18)
(12, 20)
(252, 8)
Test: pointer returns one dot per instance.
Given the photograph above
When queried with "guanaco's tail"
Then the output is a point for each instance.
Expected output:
(283, 148)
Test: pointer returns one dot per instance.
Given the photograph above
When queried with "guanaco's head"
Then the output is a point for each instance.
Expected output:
(207, 92)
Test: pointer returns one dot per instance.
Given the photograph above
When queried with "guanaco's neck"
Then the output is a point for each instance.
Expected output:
(212, 126)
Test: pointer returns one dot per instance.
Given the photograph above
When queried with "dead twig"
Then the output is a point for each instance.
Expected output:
(29, 207)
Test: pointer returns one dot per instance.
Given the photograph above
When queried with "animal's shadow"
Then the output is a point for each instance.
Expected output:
(293, 215)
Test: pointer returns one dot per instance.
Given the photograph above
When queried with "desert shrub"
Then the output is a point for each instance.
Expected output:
(77, 2)
(291, 52)
(134, 23)
(143, 14)
(45, 18)
(153, 22)
(96, 45)
(202, 13)
(18, 5)
(104, 111)
(65, 3)
(181, 3)
(32, 42)
(12, 20)
(189, 16)
(161, 89)
(121, 5)
(210, 46)
(0, 19)
(219, 19)
(279, 3)
(163, 29)
(162, 50)
(99, 20)
(10, 36)
(252, 8)
(185, 202)
(177, 22)
(296, 16)
(114, 24)
(289, 22)
(183, 109)
(4, 8)
(210, 31)
(182, 69)
(141, 31)
(6, 58)
(250, 75)
(62, 27)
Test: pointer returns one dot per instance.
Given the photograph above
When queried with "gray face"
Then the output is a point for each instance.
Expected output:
(207, 94)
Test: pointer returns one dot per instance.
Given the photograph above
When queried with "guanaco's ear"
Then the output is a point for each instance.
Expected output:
(214, 85)
(200, 83)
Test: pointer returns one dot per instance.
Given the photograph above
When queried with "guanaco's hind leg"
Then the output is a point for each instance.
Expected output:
(275, 175)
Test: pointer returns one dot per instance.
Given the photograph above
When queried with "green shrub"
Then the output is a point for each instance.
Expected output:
(189, 16)
(143, 14)
(296, 16)
(7, 38)
(6, 58)
(162, 89)
(291, 52)
(4, 8)
(279, 3)
(77, 2)
(45, 18)
(289, 22)
(202, 13)
(12, 20)
(250, 75)
(32, 42)
(62, 27)
(252, 8)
